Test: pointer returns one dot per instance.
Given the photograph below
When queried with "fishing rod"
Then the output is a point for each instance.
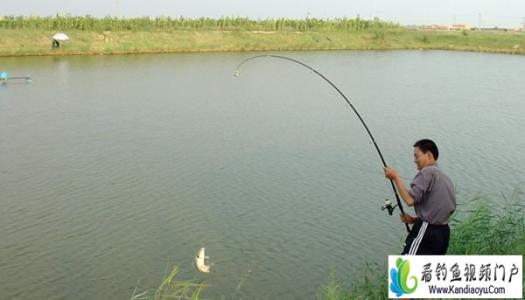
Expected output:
(4, 77)
(388, 205)
(27, 77)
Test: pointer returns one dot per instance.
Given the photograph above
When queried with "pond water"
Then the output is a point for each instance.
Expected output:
(114, 169)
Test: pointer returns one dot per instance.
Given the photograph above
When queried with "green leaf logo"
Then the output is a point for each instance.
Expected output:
(399, 278)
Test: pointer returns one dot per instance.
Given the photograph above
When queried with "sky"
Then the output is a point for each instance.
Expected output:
(487, 13)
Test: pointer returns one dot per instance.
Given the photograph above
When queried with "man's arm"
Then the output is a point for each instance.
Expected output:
(408, 219)
(391, 174)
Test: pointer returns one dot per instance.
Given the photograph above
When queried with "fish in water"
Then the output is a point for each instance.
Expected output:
(199, 261)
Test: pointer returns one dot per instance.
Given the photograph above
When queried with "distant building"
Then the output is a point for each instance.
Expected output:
(459, 27)
(437, 27)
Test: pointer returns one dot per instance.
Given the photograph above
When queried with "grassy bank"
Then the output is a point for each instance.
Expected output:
(23, 36)
(476, 230)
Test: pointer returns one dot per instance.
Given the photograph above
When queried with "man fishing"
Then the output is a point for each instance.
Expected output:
(433, 196)
(429, 185)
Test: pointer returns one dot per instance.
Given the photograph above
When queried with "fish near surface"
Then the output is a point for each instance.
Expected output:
(199, 261)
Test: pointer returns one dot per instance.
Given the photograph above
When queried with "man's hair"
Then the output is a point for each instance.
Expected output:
(426, 145)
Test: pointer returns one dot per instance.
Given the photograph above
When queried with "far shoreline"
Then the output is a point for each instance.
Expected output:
(32, 36)
(125, 43)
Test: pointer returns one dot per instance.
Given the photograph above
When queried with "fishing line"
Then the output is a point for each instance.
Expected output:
(387, 204)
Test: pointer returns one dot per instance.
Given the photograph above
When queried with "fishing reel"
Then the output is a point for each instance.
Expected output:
(388, 206)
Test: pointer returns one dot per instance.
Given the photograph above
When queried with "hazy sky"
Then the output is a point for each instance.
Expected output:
(502, 13)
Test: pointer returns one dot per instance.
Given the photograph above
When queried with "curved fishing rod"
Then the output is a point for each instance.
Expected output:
(388, 205)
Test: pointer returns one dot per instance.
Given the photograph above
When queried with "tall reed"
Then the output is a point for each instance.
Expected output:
(478, 229)
(170, 288)
(89, 23)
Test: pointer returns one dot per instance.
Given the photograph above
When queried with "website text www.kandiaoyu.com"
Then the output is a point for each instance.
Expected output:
(466, 290)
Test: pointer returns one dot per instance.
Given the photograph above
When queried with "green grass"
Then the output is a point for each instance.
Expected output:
(89, 23)
(477, 229)
(484, 231)
(373, 286)
(32, 36)
(170, 288)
